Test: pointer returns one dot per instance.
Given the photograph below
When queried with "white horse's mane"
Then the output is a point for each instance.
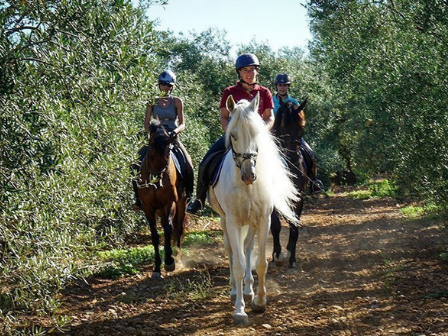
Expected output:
(271, 169)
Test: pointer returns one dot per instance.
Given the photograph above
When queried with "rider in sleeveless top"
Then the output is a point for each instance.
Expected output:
(282, 82)
(169, 110)
(247, 67)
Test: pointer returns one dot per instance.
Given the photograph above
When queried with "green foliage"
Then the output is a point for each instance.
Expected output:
(386, 61)
(72, 74)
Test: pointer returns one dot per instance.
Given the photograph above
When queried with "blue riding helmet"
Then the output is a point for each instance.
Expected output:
(167, 77)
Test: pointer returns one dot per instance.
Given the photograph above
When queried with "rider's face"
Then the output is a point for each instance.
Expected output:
(282, 89)
(249, 74)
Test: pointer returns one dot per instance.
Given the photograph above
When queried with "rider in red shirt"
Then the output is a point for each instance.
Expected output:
(247, 66)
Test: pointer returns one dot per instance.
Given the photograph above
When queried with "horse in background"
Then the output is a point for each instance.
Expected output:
(253, 180)
(288, 128)
(162, 192)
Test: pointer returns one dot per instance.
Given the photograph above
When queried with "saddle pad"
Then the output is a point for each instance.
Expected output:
(176, 163)
(217, 168)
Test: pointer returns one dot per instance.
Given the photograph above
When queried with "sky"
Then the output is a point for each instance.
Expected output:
(278, 23)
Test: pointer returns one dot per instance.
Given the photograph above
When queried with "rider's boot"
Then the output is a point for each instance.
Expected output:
(198, 203)
(316, 185)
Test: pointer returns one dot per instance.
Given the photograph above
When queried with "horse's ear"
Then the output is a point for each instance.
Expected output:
(302, 119)
(255, 102)
(302, 106)
(230, 103)
(301, 110)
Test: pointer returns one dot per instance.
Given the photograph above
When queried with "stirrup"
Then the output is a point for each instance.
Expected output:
(317, 186)
(194, 207)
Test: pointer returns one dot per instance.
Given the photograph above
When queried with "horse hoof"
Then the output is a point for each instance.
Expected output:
(278, 261)
(240, 320)
(256, 308)
(170, 268)
(156, 276)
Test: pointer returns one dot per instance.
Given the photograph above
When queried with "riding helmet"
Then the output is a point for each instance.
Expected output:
(282, 78)
(246, 60)
(167, 77)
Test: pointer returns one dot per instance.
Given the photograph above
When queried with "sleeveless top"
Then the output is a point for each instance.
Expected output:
(166, 114)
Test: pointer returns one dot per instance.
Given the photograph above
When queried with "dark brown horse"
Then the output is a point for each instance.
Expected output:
(162, 192)
(288, 128)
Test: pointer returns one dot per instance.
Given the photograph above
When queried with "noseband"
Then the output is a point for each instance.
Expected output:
(245, 156)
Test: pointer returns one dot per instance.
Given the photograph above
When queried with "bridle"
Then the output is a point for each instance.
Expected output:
(155, 177)
(244, 156)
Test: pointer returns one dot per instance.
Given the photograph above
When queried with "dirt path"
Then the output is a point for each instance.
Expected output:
(363, 269)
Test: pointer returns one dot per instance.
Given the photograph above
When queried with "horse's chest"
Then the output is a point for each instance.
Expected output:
(249, 209)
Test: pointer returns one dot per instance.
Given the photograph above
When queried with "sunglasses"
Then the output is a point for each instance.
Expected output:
(166, 84)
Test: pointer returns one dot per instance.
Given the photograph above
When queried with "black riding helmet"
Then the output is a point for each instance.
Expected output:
(282, 78)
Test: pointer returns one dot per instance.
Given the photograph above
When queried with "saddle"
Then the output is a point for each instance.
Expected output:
(211, 167)
(179, 160)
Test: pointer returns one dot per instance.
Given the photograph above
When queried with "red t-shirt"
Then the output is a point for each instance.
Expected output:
(239, 93)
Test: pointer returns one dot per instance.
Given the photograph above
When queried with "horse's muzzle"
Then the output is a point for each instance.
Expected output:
(249, 178)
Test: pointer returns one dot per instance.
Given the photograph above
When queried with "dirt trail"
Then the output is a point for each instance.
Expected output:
(363, 269)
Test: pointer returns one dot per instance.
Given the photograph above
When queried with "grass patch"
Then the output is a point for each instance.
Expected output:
(199, 238)
(381, 188)
(420, 211)
(197, 287)
(120, 262)
(124, 261)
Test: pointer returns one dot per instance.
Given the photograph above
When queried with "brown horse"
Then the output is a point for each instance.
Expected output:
(162, 192)
(288, 128)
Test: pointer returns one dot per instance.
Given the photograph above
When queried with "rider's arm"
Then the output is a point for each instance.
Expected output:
(225, 118)
(180, 114)
(268, 117)
(149, 107)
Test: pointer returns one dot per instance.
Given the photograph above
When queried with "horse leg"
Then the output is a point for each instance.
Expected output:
(155, 238)
(167, 223)
(258, 305)
(228, 250)
(292, 243)
(238, 268)
(249, 243)
(178, 233)
(276, 227)
(294, 236)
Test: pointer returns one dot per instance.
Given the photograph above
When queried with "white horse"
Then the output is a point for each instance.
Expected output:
(252, 182)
